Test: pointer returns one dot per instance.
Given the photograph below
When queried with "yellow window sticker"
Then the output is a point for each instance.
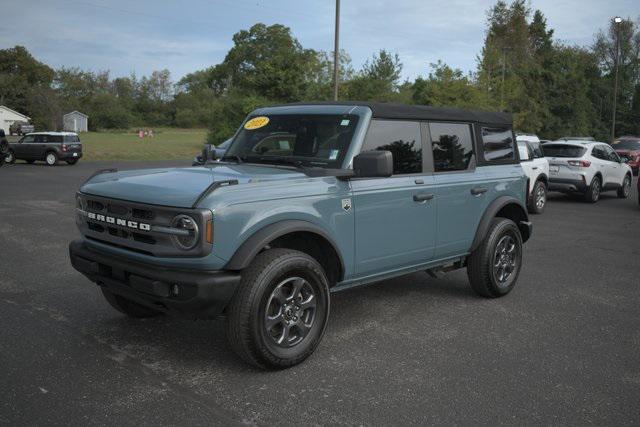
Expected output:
(256, 123)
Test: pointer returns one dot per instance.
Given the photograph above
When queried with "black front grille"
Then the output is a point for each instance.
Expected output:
(142, 214)
(117, 209)
(137, 226)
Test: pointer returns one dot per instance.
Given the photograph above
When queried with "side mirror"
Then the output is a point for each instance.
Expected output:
(624, 159)
(371, 164)
(208, 153)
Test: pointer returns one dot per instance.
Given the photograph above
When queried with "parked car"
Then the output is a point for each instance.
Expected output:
(314, 197)
(210, 150)
(536, 167)
(47, 146)
(588, 168)
(628, 147)
(20, 128)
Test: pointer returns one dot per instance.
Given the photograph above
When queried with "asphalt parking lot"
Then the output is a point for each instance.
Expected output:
(562, 348)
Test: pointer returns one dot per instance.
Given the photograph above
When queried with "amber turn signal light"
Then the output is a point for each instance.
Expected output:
(209, 231)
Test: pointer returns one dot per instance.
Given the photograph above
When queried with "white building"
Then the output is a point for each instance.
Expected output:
(9, 116)
(75, 121)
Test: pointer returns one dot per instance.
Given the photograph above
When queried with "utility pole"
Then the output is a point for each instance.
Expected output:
(336, 53)
(617, 20)
(504, 66)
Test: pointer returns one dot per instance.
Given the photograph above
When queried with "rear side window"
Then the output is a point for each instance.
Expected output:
(71, 138)
(563, 150)
(452, 146)
(525, 151)
(497, 144)
(55, 138)
(400, 137)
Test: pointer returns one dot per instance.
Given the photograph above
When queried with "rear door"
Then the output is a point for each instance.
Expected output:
(395, 224)
(463, 189)
(527, 163)
(37, 149)
(602, 164)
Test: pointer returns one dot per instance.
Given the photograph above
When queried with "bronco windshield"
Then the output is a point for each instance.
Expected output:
(320, 140)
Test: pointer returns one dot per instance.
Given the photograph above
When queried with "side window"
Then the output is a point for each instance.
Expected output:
(402, 138)
(497, 143)
(524, 151)
(452, 146)
(28, 139)
(537, 150)
(40, 139)
(55, 138)
(598, 153)
(611, 154)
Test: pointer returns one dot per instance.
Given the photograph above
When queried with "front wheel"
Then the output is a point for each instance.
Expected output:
(625, 190)
(538, 199)
(494, 266)
(10, 157)
(51, 158)
(279, 312)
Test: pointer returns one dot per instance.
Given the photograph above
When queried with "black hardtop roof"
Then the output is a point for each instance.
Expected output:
(384, 110)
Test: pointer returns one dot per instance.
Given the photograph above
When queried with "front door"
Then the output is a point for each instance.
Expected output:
(21, 150)
(395, 217)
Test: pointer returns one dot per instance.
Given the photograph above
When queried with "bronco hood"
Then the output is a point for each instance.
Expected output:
(177, 187)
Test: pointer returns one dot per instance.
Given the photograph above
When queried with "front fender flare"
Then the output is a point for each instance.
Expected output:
(261, 238)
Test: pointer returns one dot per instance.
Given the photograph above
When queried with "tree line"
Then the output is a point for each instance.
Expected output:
(551, 88)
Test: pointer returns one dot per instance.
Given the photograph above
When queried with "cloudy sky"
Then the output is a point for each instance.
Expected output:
(140, 36)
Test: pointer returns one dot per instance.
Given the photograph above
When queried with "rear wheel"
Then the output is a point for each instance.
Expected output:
(72, 161)
(625, 190)
(593, 192)
(128, 307)
(538, 198)
(279, 312)
(493, 268)
(51, 158)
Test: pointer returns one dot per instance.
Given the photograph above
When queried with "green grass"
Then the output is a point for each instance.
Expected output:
(167, 144)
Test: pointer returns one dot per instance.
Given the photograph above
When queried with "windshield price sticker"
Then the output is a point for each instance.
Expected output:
(256, 123)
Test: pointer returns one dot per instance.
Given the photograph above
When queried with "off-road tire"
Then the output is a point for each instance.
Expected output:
(128, 307)
(51, 158)
(71, 161)
(593, 191)
(539, 190)
(625, 191)
(480, 265)
(10, 157)
(246, 314)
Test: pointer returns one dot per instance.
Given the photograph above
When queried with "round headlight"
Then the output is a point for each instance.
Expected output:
(186, 241)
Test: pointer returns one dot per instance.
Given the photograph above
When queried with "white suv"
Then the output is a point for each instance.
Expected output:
(587, 167)
(536, 167)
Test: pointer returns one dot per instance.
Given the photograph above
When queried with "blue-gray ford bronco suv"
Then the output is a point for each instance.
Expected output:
(308, 199)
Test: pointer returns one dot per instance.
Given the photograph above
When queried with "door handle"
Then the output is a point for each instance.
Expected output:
(476, 191)
(534, 168)
(422, 197)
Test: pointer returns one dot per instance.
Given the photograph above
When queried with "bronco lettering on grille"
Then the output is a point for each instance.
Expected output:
(119, 221)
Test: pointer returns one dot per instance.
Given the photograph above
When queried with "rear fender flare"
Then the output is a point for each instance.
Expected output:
(491, 212)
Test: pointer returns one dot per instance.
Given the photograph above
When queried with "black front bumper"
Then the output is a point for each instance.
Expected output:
(196, 294)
